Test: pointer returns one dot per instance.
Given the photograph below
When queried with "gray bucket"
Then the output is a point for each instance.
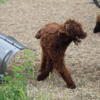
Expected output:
(8, 48)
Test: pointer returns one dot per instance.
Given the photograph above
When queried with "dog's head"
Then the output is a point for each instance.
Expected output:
(97, 26)
(74, 31)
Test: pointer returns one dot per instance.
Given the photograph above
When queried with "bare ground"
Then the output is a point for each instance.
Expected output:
(23, 18)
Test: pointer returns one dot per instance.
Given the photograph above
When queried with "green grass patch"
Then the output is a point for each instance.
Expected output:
(15, 86)
(3, 1)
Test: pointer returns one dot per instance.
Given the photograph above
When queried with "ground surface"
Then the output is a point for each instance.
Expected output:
(23, 18)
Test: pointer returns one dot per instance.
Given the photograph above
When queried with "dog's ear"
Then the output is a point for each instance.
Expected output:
(62, 32)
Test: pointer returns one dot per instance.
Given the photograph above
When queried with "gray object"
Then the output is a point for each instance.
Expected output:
(8, 48)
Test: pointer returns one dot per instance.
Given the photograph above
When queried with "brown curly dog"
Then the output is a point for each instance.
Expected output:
(55, 39)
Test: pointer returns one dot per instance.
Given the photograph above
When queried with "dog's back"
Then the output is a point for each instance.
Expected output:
(48, 29)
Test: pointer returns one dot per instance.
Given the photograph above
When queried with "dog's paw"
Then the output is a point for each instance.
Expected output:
(71, 86)
(42, 76)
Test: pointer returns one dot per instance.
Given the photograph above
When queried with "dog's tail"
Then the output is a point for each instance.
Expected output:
(38, 35)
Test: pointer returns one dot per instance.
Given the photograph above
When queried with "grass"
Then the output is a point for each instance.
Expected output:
(42, 97)
(15, 87)
(3, 1)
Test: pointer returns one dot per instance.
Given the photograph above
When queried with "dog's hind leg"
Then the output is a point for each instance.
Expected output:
(43, 63)
(45, 70)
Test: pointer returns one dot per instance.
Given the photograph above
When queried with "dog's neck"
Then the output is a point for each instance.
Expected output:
(66, 41)
(69, 41)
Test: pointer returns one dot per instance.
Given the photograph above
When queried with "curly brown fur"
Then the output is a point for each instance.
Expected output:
(97, 26)
(55, 39)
